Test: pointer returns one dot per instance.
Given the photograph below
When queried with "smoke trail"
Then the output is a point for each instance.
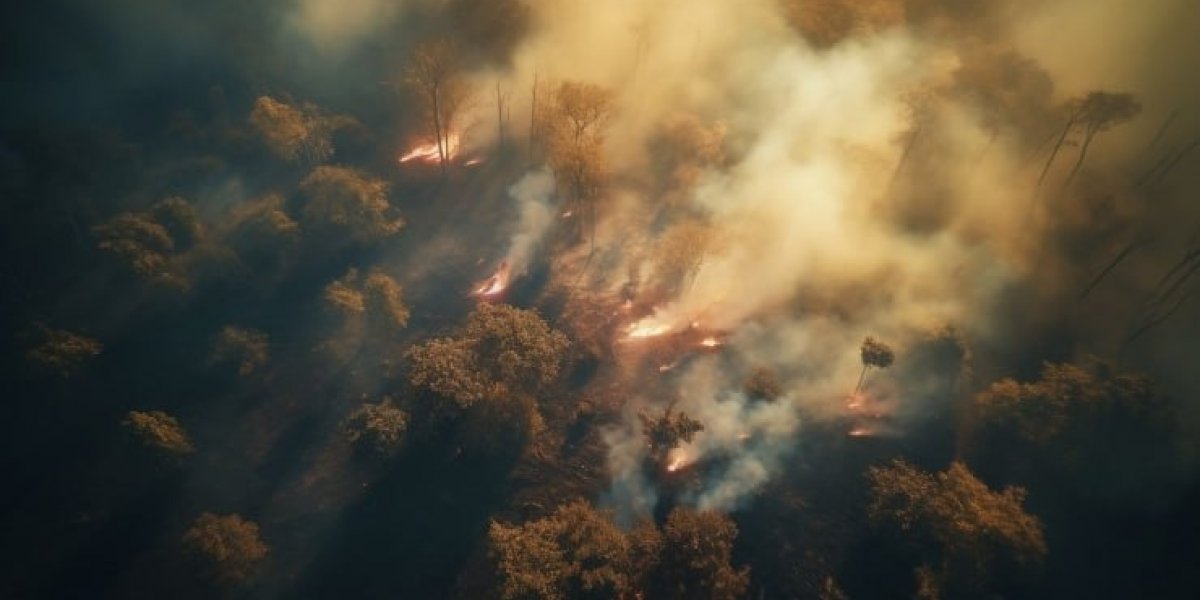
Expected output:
(534, 194)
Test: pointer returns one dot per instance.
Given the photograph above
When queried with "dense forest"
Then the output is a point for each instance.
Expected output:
(557, 299)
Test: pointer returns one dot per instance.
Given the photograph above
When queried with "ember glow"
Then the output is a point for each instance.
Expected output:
(710, 342)
(677, 460)
(861, 432)
(646, 330)
(429, 154)
(496, 284)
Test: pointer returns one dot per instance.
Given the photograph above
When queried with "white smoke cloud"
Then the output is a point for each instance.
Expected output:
(534, 195)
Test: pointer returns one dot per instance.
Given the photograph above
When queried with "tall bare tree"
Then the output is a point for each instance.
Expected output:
(573, 129)
(1096, 112)
(435, 75)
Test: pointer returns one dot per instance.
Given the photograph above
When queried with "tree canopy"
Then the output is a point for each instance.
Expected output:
(377, 427)
(158, 430)
(696, 557)
(499, 345)
(229, 546)
(249, 349)
(966, 527)
(348, 201)
(63, 351)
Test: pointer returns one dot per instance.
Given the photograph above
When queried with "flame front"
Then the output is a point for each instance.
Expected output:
(645, 330)
(429, 153)
(494, 285)
(710, 342)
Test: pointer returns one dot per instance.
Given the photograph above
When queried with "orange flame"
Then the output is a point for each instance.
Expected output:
(494, 285)
(429, 154)
(646, 330)
(678, 459)
(861, 432)
(710, 342)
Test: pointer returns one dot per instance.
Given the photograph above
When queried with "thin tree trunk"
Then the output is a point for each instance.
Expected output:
(861, 376)
(1054, 153)
(1087, 141)
(1154, 322)
(1163, 130)
(1108, 269)
(437, 129)
(499, 115)
(912, 141)
(1175, 161)
(533, 117)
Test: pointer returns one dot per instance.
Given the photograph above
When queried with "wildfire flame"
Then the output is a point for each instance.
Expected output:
(645, 330)
(710, 342)
(494, 285)
(861, 432)
(677, 459)
(428, 153)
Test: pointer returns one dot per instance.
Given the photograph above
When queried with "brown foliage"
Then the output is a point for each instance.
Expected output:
(968, 524)
(159, 430)
(248, 348)
(300, 132)
(378, 427)
(697, 549)
(347, 200)
(63, 351)
(229, 546)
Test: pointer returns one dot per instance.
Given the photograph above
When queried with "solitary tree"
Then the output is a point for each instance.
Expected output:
(228, 546)
(383, 299)
(1096, 112)
(63, 351)
(158, 430)
(343, 296)
(668, 431)
(435, 75)
(247, 348)
(964, 529)
(573, 131)
(874, 354)
(378, 428)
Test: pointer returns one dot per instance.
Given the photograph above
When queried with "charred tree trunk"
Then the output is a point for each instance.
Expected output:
(1057, 146)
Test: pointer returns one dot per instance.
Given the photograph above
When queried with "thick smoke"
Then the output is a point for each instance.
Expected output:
(870, 189)
(534, 195)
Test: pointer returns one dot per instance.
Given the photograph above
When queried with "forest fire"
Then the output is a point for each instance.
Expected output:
(643, 330)
(496, 284)
(711, 342)
(861, 432)
(430, 153)
(678, 460)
